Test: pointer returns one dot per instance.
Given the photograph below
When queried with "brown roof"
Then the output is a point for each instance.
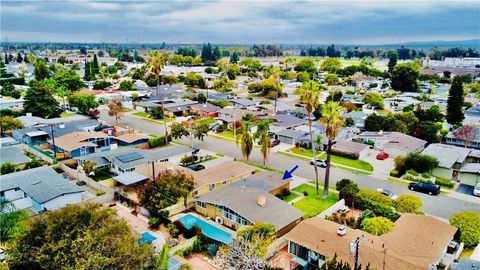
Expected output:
(131, 137)
(414, 242)
(147, 169)
(76, 140)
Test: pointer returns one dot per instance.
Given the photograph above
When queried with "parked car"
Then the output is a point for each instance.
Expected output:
(319, 162)
(476, 190)
(274, 143)
(196, 167)
(301, 105)
(388, 193)
(430, 189)
(382, 156)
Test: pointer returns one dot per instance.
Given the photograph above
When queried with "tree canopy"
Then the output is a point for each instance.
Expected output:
(468, 224)
(405, 77)
(39, 100)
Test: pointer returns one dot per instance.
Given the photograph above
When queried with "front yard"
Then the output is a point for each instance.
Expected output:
(312, 204)
(354, 163)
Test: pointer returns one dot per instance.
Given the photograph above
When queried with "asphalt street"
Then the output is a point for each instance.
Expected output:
(442, 205)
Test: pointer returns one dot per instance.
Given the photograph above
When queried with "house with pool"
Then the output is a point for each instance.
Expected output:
(245, 203)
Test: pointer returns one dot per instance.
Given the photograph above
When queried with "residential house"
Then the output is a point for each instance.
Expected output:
(127, 159)
(346, 146)
(286, 121)
(358, 118)
(290, 136)
(8, 141)
(279, 107)
(243, 103)
(393, 143)
(469, 174)
(29, 120)
(270, 182)
(474, 143)
(451, 159)
(399, 102)
(242, 204)
(131, 139)
(12, 154)
(232, 116)
(11, 103)
(39, 189)
(314, 241)
(80, 143)
(205, 109)
(472, 115)
(355, 99)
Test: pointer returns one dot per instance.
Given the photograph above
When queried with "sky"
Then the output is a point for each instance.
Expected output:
(240, 22)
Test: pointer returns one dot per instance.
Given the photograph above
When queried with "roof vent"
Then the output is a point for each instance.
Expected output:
(61, 126)
(36, 182)
(380, 132)
(262, 200)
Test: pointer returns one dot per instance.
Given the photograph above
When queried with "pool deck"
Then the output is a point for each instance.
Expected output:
(211, 222)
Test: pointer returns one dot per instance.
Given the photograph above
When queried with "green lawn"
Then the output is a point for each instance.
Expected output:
(206, 120)
(313, 205)
(227, 134)
(303, 152)
(355, 163)
(290, 197)
(140, 114)
(62, 115)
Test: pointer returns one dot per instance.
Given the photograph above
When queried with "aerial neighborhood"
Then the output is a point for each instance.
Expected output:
(221, 156)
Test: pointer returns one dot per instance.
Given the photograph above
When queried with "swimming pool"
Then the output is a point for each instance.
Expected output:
(208, 229)
(147, 238)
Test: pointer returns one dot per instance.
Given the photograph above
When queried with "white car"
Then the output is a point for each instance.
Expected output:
(319, 162)
(388, 193)
(476, 190)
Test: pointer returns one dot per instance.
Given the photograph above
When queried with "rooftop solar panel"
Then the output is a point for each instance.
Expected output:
(129, 157)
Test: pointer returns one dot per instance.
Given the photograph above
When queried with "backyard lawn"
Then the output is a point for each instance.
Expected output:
(355, 163)
(290, 197)
(312, 204)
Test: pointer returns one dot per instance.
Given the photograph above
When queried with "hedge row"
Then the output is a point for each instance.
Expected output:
(363, 201)
(158, 141)
(345, 154)
(17, 81)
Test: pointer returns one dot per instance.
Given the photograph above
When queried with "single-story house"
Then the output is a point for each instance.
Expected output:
(8, 141)
(358, 118)
(11, 103)
(355, 99)
(127, 159)
(393, 143)
(30, 135)
(233, 116)
(39, 189)
(469, 174)
(13, 154)
(315, 240)
(243, 103)
(399, 102)
(239, 205)
(205, 109)
(290, 136)
(348, 146)
(474, 143)
(270, 182)
(129, 139)
(80, 143)
(29, 120)
(287, 121)
(451, 158)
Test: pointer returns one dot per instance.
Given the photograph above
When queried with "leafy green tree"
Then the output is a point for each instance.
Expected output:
(347, 189)
(166, 190)
(433, 114)
(126, 85)
(78, 237)
(30, 58)
(39, 101)
(331, 79)
(374, 99)
(455, 103)
(234, 58)
(333, 120)
(330, 65)
(10, 219)
(429, 131)
(40, 70)
(95, 65)
(392, 62)
(405, 77)
(246, 140)
(8, 122)
(177, 131)
(307, 65)
(418, 162)
(169, 79)
(84, 102)
(19, 58)
(407, 203)
(7, 167)
(88, 167)
(199, 130)
(88, 76)
(156, 112)
(155, 64)
(201, 98)
(468, 224)
(377, 225)
(69, 80)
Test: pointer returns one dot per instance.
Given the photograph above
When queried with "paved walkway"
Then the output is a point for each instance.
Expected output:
(199, 263)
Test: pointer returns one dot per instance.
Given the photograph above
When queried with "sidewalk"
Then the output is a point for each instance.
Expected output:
(463, 197)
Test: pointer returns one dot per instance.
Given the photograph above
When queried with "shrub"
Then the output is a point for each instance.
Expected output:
(394, 173)
(99, 85)
(419, 162)
(407, 203)
(173, 230)
(100, 192)
(363, 202)
(188, 159)
(158, 141)
(57, 168)
(375, 196)
(285, 192)
(305, 193)
(412, 172)
(347, 190)
(7, 168)
(377, 225)
(468, 224)
(444, 182)
(345, 154)
(154, 222)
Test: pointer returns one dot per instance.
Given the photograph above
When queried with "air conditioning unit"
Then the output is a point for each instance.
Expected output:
(219, 220)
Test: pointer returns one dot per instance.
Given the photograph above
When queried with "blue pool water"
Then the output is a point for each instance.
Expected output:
(147, 238)
(208, 229)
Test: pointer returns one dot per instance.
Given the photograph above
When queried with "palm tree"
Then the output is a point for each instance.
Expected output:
(246, 140)
(155, 64)
(309, 94)
(9, 220)
(262, 135)
(333, 120)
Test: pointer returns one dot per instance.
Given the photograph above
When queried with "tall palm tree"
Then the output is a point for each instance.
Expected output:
(333, 120)
(264, 140)
(309, 94)
(155, 64)
(246, 140)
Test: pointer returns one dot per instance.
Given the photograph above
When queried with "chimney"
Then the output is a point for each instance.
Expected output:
(262, 200)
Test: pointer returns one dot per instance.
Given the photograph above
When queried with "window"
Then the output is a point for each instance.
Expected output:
(201, 204)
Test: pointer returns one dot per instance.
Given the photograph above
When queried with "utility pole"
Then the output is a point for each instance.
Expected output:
(356, 244)
(54, 146)
(1, 125)
(153, 170)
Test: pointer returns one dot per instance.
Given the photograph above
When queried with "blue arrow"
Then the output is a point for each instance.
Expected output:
(288, 174)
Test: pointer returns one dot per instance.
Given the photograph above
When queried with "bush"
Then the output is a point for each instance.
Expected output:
(415, 161)
(412, 172)
(468, 224)
(347, 190)
(99, 85)
(444, 182)
(377, 225)
(57, 168)
(363, 202)
(375, 196)
(100, 192)
(407, 203)
(157, 112)
(173, 230)
(17, 81)
(345, 154)
(158, 141)
(188, 159)
(154, 222)
(394, 173)
(423, 178)
(305, 193)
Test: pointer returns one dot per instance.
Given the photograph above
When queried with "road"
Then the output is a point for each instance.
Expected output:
(442, 205)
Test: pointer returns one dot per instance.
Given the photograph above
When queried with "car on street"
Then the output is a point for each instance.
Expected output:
(430, 189)
(274, 143)
(319, 162)
(476, 190)
(382, 156)
(196, 167)
(387, 193)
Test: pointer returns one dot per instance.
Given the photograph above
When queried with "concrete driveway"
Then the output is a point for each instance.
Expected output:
(381, 168)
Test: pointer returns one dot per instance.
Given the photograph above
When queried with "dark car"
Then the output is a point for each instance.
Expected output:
(196, 167)
(430, 189)
(274, 143)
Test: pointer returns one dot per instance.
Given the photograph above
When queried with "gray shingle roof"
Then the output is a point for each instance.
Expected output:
(12, 154)
(243, 200)
(266, 181)
(471, 168)
(42, 184)
(447, 155)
